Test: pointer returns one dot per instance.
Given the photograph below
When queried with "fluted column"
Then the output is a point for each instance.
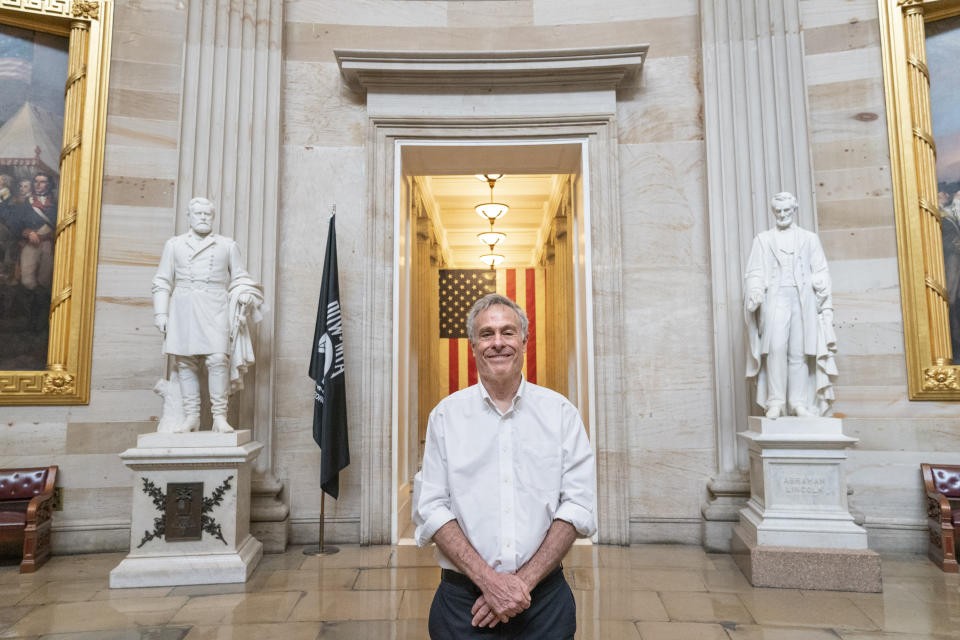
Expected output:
(925, 153)
(62, 286)
(566, 322)
(557, 259)
(427, 343)
(437, 386)
(548, 261)
(756, 143)
(229, 151)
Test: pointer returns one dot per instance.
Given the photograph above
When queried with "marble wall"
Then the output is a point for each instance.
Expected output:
(666, 279)
(661, 178)
(856, 221)
(137, 216)
(666, 263)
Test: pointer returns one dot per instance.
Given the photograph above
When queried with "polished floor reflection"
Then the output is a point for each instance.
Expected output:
(646, 592)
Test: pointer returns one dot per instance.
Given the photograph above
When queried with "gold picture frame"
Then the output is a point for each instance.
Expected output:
(931, 374)
(87, 25)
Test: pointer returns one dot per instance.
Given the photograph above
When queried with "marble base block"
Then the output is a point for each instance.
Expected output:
(168, 571)
(806, 567)
(798, 489)
(728, 494)
(275, 536)
(796, 530)
(269, 515)
(193, 439)
(207, 538)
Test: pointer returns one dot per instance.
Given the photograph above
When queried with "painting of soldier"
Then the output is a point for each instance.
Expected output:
(949, 200)
(33, 71)
(943, 47)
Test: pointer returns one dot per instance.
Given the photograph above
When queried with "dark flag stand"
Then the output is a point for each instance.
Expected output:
(320, 549)
(330, 398)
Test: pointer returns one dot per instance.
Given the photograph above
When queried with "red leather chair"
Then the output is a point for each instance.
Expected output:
(942, 484)
(26, 507)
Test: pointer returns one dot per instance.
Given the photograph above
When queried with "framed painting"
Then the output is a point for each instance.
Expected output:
(943, 50)
(54, 57)
(920, 41)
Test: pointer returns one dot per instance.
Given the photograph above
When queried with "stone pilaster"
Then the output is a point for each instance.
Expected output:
(556, 257)
(428, 387)
(229, 152)
(755, 116)
(566, 321)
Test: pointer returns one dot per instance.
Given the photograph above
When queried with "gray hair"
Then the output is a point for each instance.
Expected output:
(785, 196)
(489, 300)
(201, 201)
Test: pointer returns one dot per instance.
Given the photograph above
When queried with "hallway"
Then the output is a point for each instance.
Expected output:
(647, 592)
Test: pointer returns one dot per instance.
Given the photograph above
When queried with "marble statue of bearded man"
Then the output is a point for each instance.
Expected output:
(789, 315)
(203, 298)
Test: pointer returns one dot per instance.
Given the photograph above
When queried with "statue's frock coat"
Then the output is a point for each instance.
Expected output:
(198, 274)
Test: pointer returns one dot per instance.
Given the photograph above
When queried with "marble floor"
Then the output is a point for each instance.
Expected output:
(371, 593)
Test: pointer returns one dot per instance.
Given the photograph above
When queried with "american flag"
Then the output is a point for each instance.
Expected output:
(459, 289)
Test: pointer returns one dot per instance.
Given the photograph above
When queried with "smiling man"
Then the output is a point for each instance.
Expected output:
(506, 486)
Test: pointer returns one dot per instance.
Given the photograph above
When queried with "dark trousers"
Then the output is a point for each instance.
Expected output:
(552, 614)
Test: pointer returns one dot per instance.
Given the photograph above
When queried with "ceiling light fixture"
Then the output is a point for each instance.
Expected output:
(492, 259)
(491, 238)
(491, 210)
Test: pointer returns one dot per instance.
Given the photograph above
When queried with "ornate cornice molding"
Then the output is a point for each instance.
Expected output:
(595, 66)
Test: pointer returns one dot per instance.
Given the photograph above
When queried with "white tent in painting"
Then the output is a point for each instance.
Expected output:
(31, 140)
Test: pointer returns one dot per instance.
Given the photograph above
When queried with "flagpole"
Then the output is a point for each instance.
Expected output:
(320, 549)
(323, 517)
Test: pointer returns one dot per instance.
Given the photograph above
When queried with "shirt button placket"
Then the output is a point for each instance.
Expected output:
(507, 521)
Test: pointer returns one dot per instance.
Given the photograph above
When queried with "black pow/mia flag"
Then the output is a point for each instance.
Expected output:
(326, 369)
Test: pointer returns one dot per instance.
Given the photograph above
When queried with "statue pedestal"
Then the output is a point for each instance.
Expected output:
(796, 530)
(191, 510)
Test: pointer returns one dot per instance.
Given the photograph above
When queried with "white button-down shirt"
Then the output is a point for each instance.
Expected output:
(505, 477)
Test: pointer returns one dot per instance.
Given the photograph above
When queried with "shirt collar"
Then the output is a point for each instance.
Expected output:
(519, 394)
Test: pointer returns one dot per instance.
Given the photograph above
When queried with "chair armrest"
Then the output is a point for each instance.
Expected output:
(939, 507)
(41, 508)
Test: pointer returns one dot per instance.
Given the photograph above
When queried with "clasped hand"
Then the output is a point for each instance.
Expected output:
(505, 596)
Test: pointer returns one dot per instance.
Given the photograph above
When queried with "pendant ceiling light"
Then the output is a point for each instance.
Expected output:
(491, 238)
(491, 259)
(491, 210)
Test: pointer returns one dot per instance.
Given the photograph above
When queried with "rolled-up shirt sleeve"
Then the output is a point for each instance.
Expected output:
(431, 491)
(579, 480)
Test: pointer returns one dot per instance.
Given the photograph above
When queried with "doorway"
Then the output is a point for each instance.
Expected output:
(546, 269)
